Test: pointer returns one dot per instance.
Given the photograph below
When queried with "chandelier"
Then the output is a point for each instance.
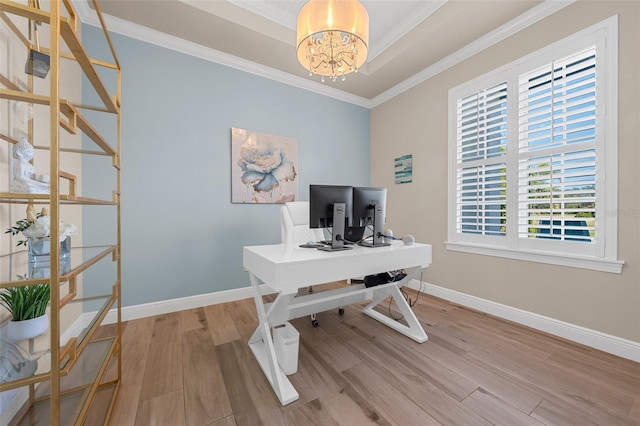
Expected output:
(333, 36)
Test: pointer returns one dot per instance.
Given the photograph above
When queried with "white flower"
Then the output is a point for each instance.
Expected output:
(264, 164)
(41, 228)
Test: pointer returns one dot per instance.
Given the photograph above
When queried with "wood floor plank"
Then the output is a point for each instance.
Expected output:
(136, 339)
(205, 394)
(454, 334)
(312, 413)
(264, 405)
(222, 326)
(226, 421)
(560, 415)
(634, 413)
(514, 394)
(357, 323)
(193, 319)
(541, 340)
(623, 386)
(325, 345)
(405, 352)
(627, 367)
(486, 332)
(243, 314)
(163, 369)
(391, 402)
(107, 330)
(402, 350)
(342, 399)
(497, 411)
(125, 408)
(432, 310)
(241, 403)
(165, 409)
(353, 370)
(554, 386)
(431, 398)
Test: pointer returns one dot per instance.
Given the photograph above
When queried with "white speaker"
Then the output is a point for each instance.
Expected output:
(408, 240)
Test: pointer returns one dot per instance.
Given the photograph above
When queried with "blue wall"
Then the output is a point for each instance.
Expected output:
(181, 235)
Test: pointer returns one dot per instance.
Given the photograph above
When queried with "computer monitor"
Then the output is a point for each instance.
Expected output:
(330, 206)
(369, 209)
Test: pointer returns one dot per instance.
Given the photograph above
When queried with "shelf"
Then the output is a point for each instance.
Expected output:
(70, 111)
(81, 346)
(18, 198)
(76, 388)
(74, 372)
(17, 263)
(104, 304)
(73, 43)
(102, 405)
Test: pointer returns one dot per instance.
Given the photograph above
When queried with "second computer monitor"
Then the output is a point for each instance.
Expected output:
(369, 209)
(330, 206)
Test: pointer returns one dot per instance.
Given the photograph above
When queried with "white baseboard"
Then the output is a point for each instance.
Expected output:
(174, 305)
(595, 339)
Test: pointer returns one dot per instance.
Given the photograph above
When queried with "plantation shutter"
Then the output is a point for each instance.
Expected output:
(557, 150)
(481, 162)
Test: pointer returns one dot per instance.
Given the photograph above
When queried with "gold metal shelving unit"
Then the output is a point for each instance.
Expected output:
(78, 378)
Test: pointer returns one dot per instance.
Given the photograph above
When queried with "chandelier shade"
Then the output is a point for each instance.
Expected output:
(332, 37)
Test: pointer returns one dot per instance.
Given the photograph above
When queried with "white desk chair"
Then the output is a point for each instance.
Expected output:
(294, 228)
(294, 224)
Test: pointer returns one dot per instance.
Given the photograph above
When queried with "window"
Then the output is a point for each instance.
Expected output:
(533, 156)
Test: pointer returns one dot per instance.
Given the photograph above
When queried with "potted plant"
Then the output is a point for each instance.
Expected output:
(28, 308)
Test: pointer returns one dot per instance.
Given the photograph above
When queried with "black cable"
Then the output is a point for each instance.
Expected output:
(407, 298)
(391, 314)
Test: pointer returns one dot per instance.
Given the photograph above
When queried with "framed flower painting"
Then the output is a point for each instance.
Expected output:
(264, 168)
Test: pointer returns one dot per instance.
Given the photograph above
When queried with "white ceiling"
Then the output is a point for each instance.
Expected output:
(389, 20)
(408, 38)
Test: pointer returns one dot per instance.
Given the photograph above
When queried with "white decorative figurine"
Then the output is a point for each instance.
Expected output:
(25, 178)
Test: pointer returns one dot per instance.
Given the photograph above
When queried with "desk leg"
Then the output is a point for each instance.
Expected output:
(261, 344)
(414, 330)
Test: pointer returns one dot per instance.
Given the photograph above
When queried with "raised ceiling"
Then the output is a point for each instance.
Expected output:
(407, 37)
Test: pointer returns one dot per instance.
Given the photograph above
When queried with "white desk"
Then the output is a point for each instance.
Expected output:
(286, 267)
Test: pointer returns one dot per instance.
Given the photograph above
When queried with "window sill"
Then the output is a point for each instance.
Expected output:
(562, 259)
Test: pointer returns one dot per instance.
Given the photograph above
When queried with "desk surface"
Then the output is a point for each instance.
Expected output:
(286, 267)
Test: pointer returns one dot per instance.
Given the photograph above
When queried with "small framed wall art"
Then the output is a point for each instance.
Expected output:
(404, 169)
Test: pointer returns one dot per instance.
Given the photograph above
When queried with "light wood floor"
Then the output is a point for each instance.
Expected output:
(194, 368)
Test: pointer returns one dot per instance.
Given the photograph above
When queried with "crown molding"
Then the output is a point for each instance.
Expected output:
(427, 9)
(129, 29)
(148, 35)
(537, 13)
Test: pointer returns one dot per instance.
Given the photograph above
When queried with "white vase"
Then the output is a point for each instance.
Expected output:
(27, 329)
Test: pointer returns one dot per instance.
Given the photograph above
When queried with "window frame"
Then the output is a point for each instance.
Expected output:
(600, 255)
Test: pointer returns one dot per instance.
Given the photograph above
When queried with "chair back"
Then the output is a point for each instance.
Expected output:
(294, 224)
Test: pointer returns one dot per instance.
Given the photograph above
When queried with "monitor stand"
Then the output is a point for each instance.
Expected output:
(337, 231)
(378, 240)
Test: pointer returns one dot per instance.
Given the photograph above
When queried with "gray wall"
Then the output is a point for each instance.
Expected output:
(181, 235)
(416, 123)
